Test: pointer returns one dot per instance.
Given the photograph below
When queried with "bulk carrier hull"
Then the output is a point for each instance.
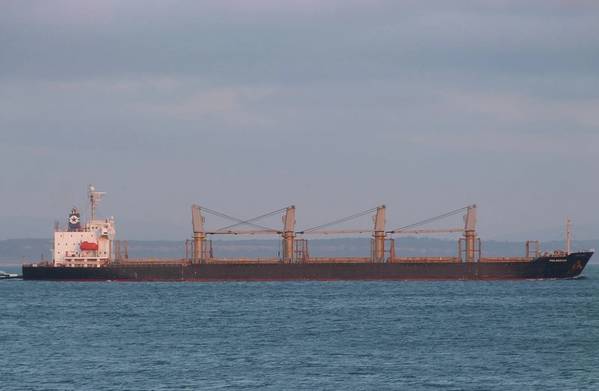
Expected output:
(89, 252)
(544, 267)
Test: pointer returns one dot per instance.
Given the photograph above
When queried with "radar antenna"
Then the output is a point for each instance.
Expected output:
(94, 198)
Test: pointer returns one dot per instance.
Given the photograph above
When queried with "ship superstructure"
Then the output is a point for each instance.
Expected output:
(85, 245)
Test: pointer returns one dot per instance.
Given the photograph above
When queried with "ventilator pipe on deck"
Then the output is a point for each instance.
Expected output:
(470, 233)
(288, 233)
(199, 235)
(378, 251)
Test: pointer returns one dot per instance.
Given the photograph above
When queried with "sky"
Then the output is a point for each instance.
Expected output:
(334, 106)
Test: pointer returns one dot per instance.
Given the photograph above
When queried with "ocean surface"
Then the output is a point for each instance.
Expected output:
(514, 335)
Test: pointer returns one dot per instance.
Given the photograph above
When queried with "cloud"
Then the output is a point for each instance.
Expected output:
(583, 114)
(333, 103)
(228, 104)
(275, 42)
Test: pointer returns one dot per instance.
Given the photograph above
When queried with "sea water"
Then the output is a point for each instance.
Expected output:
(455, 335)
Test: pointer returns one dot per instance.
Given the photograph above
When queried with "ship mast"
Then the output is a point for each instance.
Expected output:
(568, 236)
(94, 198)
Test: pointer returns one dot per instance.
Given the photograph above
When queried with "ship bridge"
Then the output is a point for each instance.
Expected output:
(87, 245)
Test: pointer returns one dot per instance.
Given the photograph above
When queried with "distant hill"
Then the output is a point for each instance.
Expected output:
(14, 251)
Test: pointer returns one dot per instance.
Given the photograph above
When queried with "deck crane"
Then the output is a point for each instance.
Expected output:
(288, 233)
(378, 230)
(379, 234)
(199, 234)
(469, 229)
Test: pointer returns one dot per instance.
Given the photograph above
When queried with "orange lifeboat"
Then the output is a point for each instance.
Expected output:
(88, 246)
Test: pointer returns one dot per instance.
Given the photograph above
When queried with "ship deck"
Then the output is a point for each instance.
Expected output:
(317, 260)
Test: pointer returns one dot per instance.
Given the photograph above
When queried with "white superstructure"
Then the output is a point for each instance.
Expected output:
(90, 245)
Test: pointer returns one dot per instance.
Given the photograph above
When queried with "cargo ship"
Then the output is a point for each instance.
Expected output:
(89, 252)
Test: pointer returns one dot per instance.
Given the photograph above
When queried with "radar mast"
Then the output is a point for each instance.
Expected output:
(94, 198)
